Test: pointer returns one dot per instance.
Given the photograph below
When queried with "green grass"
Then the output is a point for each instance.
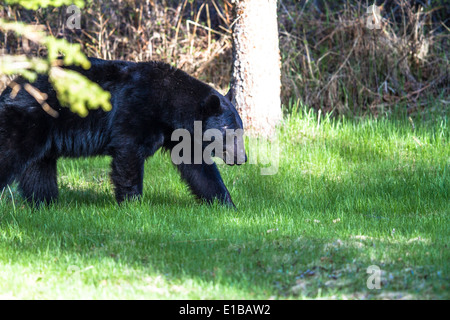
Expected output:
(348, 194)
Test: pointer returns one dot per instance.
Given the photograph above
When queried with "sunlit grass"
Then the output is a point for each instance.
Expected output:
(348, 194)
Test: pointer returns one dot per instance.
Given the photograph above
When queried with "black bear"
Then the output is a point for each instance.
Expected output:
(150, 100)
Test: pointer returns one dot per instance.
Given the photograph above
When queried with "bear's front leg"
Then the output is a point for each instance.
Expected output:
(205, 182)
(38, 182)
(127, 174)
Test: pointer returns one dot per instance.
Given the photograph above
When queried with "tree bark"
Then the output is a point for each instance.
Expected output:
(256, 77)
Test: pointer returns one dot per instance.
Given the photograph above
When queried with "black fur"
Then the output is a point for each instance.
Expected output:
(150, 100)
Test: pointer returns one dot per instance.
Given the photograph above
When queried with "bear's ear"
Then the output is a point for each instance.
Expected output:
(211, 106)
(230, 95)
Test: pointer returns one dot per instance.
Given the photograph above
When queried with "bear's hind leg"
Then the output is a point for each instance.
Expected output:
(7, 170)
(38, 182)
(11, 164)
(24, 137)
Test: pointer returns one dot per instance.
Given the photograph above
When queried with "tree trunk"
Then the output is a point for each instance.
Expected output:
(256, 81)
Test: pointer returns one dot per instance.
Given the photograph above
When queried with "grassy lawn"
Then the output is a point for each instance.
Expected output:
(348, 194)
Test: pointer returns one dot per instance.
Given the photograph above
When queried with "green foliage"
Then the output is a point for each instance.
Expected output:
(27, 67)
(81, 94)
(36, 4)
(73, 90)
(71, 52)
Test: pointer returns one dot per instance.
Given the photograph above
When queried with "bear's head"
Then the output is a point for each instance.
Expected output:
(223, 131)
